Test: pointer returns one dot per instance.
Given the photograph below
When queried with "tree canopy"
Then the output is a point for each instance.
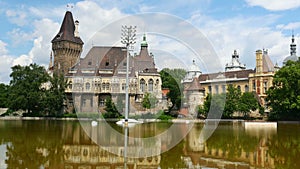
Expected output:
(149, 101)
(235, 102)
(4, 90)
(35, 92)
(284, 96)
(171, 79)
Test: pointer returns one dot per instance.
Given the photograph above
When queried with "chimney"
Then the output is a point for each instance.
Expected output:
(76, 32)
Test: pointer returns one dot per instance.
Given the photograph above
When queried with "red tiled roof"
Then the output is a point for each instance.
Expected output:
(195, 86)
(231, 74)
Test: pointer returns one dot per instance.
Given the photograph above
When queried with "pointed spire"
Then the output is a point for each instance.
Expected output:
(235, 54)
(293, 46)
(144, 42)
(67, 30)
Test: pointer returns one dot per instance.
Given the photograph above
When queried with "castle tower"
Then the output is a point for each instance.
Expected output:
(293, 55)
(259, 61)
(66, 45)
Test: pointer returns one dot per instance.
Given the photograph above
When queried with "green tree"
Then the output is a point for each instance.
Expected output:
(284, 96)
(235, 102)
(4, 95)
(55, 96)
(25, 91)
(111, 109)
(247, 103)
(204, 109)
(233, 96)
(149, 101)
(171, 79)
(34, 91)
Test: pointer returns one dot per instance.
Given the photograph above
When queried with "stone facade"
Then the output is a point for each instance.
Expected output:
(102, 73)
(66, 46)
(258, 80)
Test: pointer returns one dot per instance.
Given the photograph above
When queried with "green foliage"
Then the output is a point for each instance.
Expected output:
(247, 102)
(171, 79)
(111, 109)
(149, 101)
(53, 102)
(233, 96)
(284, 96)
(235, 102)
(25, 91)
(34, 91)
(4, 91)
(165, 117)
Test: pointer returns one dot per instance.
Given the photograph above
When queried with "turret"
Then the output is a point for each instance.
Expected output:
(259, 61)
(66, 45)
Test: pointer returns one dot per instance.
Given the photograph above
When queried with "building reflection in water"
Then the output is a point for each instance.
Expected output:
(64, 144)
(143, 148)
(231, 146)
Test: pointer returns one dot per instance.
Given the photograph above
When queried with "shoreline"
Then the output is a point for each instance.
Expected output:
(146, 120)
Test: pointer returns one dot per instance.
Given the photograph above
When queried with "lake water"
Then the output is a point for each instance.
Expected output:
(75, 145)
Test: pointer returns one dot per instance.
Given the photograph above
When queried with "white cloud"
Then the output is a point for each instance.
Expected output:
(5, 64)
(18, 17)
(289, 26)
(275, 5)
(246, 34)
(3, 49)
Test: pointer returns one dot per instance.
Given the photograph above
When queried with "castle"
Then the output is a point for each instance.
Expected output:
(101, 73)
(197, 85)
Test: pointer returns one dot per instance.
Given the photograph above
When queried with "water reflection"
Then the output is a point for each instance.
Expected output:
(64, 144)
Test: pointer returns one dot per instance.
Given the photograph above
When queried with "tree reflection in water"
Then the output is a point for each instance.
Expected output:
(63, 144)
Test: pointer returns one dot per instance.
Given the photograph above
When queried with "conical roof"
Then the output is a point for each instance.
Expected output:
(195, 86)
(66, 32)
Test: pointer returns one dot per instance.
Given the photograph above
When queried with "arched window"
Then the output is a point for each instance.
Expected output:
(87, 86)
(107, 86)
(70, 85)
(142, 85)
(150, 85)
(246, 88)
(103, 86)
(239, 87)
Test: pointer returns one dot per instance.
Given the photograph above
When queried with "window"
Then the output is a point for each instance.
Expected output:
(103, 86)
(217, 89)
(265, 86)
(123, 86)
(70, 85)
(89, 63)
(223, 89)
(239, 87)
(209, 89)
(107, 85)
(253, 86)
(142, 85)
(150, 85)
(87, 86)
(246, 88)
(83, 102)
(102, 102)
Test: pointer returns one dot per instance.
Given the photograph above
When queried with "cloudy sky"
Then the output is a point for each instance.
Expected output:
(175, 29)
